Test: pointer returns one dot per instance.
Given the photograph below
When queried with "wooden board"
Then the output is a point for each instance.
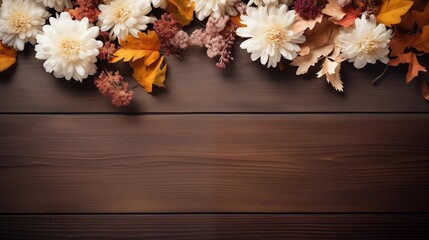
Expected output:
(217, 226)
(194, 84)
(214, 163)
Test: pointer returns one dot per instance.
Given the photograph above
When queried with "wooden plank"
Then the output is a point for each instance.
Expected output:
(213, 163)
(195, 85)
(218, 226)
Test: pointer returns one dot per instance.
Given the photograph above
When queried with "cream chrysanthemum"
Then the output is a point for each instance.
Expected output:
(365, 42)
(20, 22)
(69, 47)
(214, 8)
(271, 35)
(58, 5)
(268, 2)
(123, 17)
(159, 3)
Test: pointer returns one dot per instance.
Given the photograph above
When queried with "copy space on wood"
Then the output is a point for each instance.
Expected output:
(213, 163)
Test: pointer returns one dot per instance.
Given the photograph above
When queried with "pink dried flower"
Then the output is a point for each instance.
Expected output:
(106, 52)
(180, 40)
(166, 27)
(215, 25)
(199, 38)
(308, 9)
(85, 8)
(113, 86)
(215, 46)
(225, 56)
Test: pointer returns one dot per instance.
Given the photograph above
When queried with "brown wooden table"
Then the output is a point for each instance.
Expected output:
(246, 153)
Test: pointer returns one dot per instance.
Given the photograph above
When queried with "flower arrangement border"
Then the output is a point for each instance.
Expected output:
(72, 36)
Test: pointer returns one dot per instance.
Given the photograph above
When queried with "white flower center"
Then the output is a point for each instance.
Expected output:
(122, 14)
(20, 23)
(70, 48)
(276, 34)
(367, 46)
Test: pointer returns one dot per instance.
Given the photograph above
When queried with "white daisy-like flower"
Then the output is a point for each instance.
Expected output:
(365, 42)
(268, 2)
(58, 5)
(214, 8)
(20, 22)
(159, 3)
(123, 17)
(271, 34)
(69, 47)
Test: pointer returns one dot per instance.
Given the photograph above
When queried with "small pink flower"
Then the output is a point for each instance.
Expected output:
(113, 86)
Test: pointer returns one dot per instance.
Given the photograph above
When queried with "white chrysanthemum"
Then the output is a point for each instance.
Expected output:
(271, 35)
(268, 2)
(214, 8)
(159, 3)
(69, 47)
(365, 42)
(123, 17)
(20, 22)
(58, 5)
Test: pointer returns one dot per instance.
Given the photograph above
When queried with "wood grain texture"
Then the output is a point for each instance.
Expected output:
(213, 163)
(194, 84)
(218, 226)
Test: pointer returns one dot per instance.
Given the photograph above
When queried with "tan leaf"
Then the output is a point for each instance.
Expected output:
(331, 70)
(305, 62)
(333, 10)
(414, 66)
(302, 24)
(7, 57)
(322, 35)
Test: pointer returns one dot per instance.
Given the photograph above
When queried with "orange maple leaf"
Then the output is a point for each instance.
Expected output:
(147, 46)
(422, 18)
(400, 42)
(7, 57)
(149, 75)
(183, 10)
(349, 18)
(422, 41)
(391, 11)
(414, 66)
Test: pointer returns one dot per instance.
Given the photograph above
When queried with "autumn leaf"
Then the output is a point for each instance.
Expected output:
(149, 75)
(331, 69)
(183, 10)
(400, 42)
(349, 18)
(414, 66)
(391, 11)
(333, 10)
(305, 62)
(7, 57)
(147, 46)
(422, 41)
(422, 18)
(424, 89)
(301, 24)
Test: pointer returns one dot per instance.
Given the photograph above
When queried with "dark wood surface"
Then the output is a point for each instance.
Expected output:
(246, 153)
(214, 163)
(217, 226)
